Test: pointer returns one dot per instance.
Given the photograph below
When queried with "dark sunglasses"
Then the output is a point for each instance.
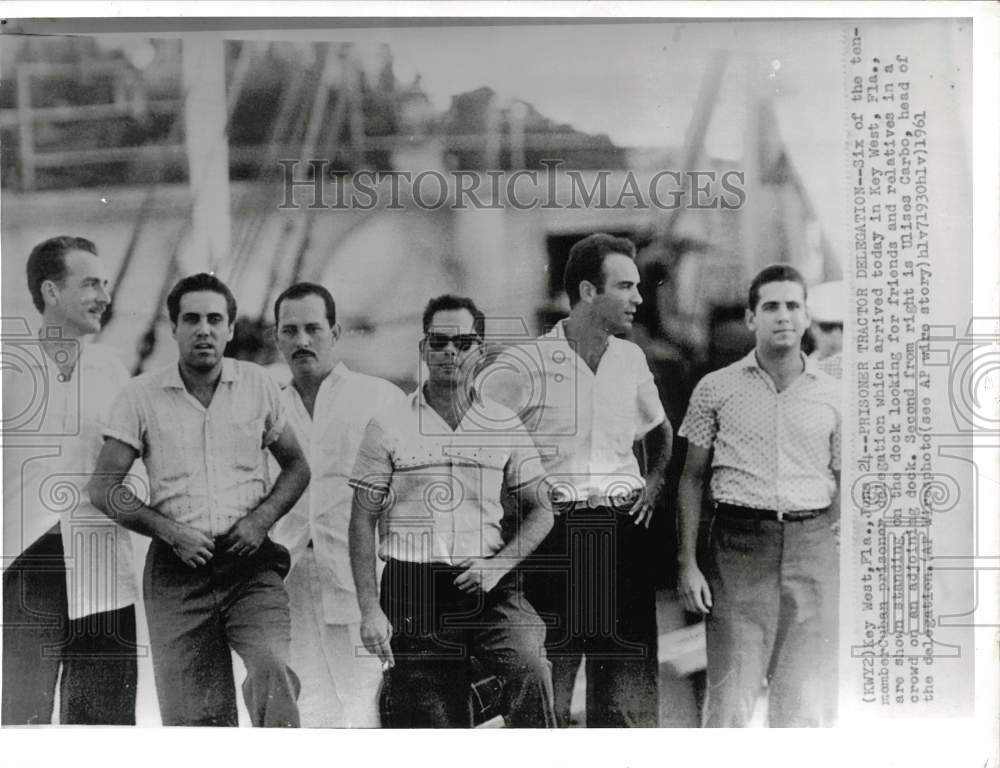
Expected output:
(462, 342)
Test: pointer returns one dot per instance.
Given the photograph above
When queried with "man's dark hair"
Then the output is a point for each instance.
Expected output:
(48, 262)
(200, 282)
(301, 290)
(774, 273)
(586, 262)
(449, 301)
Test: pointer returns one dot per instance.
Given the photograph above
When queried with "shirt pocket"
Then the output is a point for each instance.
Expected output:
(248, 439)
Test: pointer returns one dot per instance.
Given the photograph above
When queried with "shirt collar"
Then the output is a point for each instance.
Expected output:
(750, 361)
(419, 400)
(172, 376)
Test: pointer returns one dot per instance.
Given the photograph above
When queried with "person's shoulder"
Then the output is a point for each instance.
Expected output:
(375, 384)
(252, 373)
(494, 411)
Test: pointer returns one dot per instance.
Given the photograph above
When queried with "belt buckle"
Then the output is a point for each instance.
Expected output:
(781, 515)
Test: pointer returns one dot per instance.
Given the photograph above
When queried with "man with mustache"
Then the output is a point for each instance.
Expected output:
(329, 407)
(70, 593)
(213, 579)
(769, 427)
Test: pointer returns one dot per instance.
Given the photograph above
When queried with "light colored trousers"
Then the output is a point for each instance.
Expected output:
(340, 679)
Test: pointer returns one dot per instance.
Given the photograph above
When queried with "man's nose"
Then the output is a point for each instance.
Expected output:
(102, 294)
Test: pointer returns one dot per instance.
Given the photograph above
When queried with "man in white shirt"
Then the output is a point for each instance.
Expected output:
(213, 579)
(329, 407)
(587, 397)
(69, 583)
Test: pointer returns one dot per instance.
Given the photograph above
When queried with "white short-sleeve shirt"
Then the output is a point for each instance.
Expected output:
(583, 422)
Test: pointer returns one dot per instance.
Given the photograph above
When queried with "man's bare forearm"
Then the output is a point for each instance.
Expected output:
(361, 545)
(116, 499)
(689, 498)
(532, 530)
(659, 446)
(290, 485)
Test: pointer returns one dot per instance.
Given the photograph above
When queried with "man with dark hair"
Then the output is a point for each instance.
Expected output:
(213, 579)
(588, 397)
(432, 477)
(70, 590)
(329, 407)
(769, 425)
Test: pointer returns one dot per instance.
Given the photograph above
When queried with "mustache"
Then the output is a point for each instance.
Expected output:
(303, 353)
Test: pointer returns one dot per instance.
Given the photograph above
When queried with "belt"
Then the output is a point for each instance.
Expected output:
(734, 512)
(619, 503)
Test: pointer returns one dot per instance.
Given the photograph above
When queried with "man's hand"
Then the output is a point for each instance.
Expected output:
(693, 590)
(376, 632)
(481, 575)
(245, 538)
(192, 546)
(642, 511)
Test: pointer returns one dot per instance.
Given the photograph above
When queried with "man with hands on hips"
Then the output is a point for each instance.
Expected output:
(430, 472)
(213, 580)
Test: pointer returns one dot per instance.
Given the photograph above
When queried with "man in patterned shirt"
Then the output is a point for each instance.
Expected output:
(770, 425)
(213, 579)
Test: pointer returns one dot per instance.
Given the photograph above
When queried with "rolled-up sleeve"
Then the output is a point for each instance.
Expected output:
(373, 467)
(127, 422)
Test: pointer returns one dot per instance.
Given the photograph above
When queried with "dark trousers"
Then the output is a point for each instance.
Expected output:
(591, 581)
(437, 631)
(97, 653)
(196, 616)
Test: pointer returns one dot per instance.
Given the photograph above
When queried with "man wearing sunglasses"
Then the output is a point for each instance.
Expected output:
(432, 473)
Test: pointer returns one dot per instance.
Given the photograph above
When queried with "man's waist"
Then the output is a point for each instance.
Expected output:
(747, 513)
(620, 500)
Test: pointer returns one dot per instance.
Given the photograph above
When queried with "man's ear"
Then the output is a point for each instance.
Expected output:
(335, 331)
(587, 290)
(50, 292)
(750, 319)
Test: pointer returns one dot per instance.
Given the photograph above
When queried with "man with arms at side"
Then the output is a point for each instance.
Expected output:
(329, 407)
(598, 398)
(69, 596)
(213, 579)
(432, 471)
(769, 425)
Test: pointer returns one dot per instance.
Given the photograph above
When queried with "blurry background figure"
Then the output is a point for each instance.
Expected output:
(826, 308)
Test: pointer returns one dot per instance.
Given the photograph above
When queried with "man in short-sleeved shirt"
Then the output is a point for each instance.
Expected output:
(432, 471)
(213, 580)
(587, 397)
(329, 407)
(769, 425)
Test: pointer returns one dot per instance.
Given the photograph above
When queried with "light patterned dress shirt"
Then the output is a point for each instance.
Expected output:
(584, 423)
(345, 403)
(52, 437)
(207, 466)
(443, 486)
(770, 450)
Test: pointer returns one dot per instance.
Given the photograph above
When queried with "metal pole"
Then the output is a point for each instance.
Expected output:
(203, 62)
